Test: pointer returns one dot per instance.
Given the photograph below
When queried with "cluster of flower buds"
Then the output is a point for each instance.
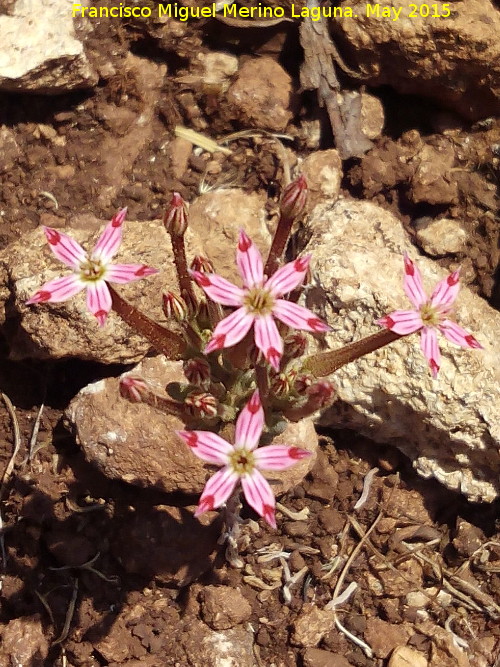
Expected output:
(201, 404)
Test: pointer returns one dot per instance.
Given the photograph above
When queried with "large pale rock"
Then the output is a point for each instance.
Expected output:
(39, 51)
(454, 59)
(67, 329)
(115, 434)
(449, 427)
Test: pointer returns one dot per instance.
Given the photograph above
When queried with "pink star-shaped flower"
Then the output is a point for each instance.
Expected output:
(90, 271)
(258, 302)
(242, 462)
(429, 315)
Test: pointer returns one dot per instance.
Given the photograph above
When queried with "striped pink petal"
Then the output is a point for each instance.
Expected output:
(402, 322)
(446, 291)
(111, 238)
(250, 423)
(457, 335)
(207, 446)
(268, 340)
(230, 330)
(57, 290)
(126, 273)
(279, 457)
(217, 490)
(287, 278)
(260, 496)
(430, 348)
(412, 283)
(65, 248)
(249, 261)
(99, 300)
(298, 317)
(218, 288)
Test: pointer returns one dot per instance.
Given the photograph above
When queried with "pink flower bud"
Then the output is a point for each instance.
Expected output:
(133, 388)
(202, 264)
(174, 307)
(295, 345)
(302, 384)
(197, 371)
(201, 404)
(294, 198)
(320, 394)
(176, 216)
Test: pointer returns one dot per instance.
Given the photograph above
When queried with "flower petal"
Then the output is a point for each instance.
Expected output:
(268, 340)
(446, 291)
(412, 283)
(230, 330)
(207, 446)
(298, 317)
(111, 238)
(279, 457)
(99, 300)
(126, 273)
(430, 348)
(402, 322)
(65, 248)
(287, 278)
(249, 261)
(457, 335)
(218, 288)
(260, 496)
(57, 290)
(250, 423)
(217, 490)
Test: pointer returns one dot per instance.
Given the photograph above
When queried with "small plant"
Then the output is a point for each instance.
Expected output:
(247, 367)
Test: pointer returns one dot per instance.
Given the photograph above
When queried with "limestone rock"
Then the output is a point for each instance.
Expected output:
(261, 95)
(323, 172)
(405, 656)
(454, 59)
(24, 642)
(449, 427)
(39, 51)
(55, 331)
(115, 433)
(311, 626)
(223, 607)
(384, 637)
(225, 648)
(440, 237)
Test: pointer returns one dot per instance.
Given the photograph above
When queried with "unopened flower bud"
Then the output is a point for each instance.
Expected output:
(302, 384)
(294, 345)
(176, 216)
(133, 388)
(282, 383)
(202, 264)
(320, 394)
(201, 404)
(197, 371)
(294, 198)
(174, 307)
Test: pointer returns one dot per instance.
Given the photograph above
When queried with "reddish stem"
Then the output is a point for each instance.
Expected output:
(163, 340)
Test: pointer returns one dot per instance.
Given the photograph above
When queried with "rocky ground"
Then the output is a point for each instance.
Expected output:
(100, 571)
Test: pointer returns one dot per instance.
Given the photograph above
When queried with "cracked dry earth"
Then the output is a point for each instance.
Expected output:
(99, 572)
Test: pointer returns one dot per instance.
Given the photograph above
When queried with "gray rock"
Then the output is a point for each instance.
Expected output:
(55, 331)
(39, 51)
(115, 433)
(449, 427)
(440, 237)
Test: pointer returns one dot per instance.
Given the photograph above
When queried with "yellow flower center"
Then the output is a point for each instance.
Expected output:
(258, 301)
(92, 270)
(242, 461)
(431, 317)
